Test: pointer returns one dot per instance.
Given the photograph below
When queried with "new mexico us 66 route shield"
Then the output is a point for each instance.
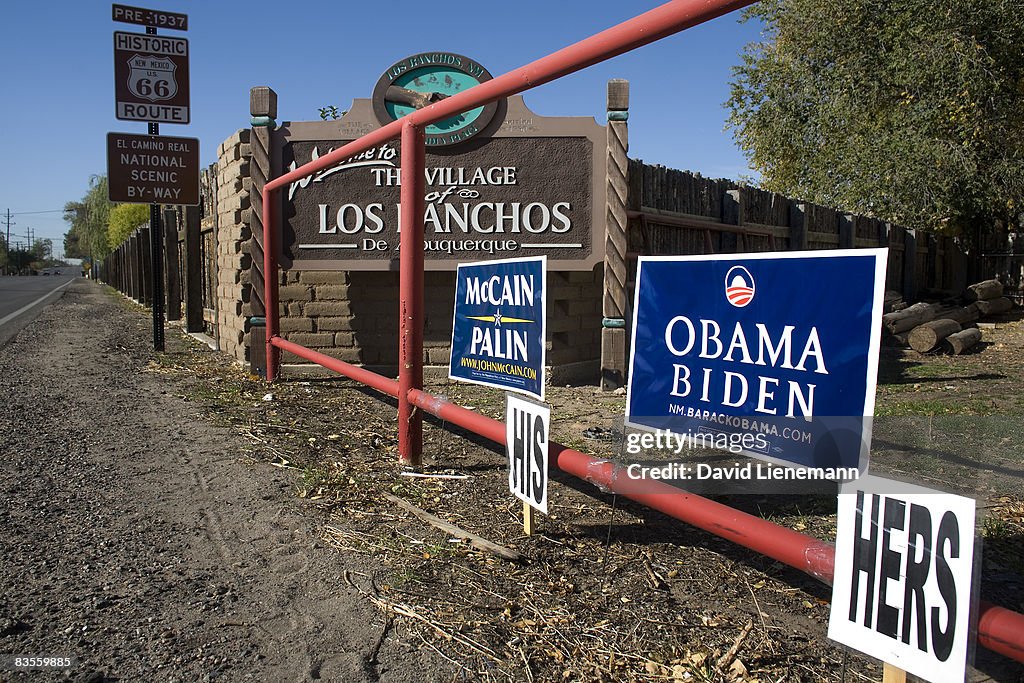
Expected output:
(151, 78)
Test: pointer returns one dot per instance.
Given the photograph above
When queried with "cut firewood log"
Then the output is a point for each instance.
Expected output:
(963, 314)
(892, 301)
(959, 342)
(994, 306)
(928, 336)
(898, 341)
(909, 318)
(984, 291)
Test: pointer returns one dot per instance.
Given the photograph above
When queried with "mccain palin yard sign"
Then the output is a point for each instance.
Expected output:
(774, 355)
(498, 328)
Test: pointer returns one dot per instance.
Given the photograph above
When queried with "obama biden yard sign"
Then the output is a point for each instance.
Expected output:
(782, 347)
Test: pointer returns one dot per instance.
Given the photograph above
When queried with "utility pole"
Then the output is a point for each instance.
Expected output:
(7, 242)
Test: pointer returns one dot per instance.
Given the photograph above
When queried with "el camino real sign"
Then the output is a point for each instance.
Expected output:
(772, 355)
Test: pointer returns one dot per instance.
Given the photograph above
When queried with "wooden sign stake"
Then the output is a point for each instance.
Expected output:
(890, 674)
(528, 519)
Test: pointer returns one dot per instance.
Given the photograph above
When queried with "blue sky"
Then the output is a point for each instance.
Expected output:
(57, 78)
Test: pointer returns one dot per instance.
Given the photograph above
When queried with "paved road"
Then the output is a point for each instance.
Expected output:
(22, 298)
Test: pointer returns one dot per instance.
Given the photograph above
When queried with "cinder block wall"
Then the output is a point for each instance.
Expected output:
(574, 324)
(233, 236)
(353, 316)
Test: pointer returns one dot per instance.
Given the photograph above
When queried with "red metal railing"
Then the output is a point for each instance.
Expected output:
(999, 629)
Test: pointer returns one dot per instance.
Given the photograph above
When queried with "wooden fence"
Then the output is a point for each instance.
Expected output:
(190, 262)
(677, 212)
(1001, 256)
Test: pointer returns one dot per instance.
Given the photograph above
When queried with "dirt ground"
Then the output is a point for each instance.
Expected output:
(168, 517)
(139, 537)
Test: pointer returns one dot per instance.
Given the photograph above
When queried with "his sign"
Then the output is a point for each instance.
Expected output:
(902, 590)
(153, 169)
(779, 352)
(527, 427)
(151, 78)
(498, 327)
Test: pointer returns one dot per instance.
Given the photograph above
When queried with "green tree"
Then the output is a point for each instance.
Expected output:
(41, 250)
(909, 111)
(88, 219)
(124, 218)
(74, 247)
(21, 261)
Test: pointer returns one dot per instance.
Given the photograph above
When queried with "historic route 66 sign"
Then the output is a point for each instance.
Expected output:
(151, 77)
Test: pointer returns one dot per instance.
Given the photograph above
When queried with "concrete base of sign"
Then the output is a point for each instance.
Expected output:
(582, 372)
(205, 339)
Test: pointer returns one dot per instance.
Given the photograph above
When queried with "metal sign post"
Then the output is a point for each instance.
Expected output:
(151, 84)
(157, 251)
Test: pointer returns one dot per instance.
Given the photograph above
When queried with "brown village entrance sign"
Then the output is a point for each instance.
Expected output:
(502, 183)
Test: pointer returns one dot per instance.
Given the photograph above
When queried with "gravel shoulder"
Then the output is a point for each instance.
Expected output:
(139, 538)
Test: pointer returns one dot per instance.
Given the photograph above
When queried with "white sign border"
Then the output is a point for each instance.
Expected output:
(906, 657)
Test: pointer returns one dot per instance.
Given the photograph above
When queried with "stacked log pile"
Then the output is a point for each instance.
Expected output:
(945, 326)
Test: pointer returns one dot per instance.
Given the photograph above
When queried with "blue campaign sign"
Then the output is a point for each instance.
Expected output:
(774, 355)
(498, 328)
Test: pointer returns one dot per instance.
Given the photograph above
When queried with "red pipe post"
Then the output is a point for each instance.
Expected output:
(1001, 630)
(643, 29)
(383, 384)
(410, 295)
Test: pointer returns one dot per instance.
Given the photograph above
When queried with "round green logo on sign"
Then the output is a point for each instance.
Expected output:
(423, 79)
